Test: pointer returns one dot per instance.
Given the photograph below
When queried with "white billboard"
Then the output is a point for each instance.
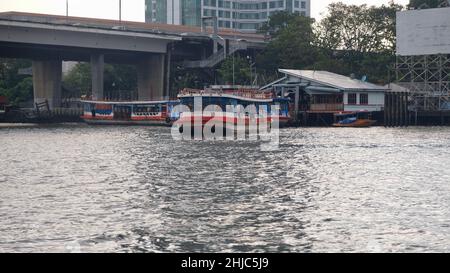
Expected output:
(423, 32)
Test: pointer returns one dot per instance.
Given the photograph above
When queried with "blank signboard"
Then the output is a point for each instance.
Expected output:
(423, 32)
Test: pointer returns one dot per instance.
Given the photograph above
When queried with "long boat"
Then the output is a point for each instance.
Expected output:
(216, 101)
(354, 120)
(128, 112)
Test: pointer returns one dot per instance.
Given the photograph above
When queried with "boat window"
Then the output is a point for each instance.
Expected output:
(146, 109)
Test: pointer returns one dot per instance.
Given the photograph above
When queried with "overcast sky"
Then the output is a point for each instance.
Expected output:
(132, 10)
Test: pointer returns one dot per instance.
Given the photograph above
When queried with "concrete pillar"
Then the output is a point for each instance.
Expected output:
(168, 71)
(97, 69)
(385, 109)
(151, 78)
(47, 82)
(215, 46)
(297, 103)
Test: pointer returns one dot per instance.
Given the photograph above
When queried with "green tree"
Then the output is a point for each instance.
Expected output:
(358, 28)
(292, 45)
(78, 81)
(120, 81)
(188, 78)
(425, 3)
(358, 40)
(277, 22)
(235, 68)
(17, 88)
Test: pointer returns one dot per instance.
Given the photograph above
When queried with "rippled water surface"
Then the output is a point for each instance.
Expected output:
(133, 189)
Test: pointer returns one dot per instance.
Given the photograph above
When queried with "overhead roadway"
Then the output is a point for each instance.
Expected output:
(48, 40)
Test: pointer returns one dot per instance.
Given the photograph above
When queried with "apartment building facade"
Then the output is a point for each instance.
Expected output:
(243, 15)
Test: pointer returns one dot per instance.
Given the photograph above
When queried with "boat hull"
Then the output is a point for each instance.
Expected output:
(126, 122)
(360, 123)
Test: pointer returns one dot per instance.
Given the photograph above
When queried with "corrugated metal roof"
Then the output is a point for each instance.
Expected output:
(272, 83)
(333, 80)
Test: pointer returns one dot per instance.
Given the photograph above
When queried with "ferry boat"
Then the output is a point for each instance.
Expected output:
(354, 119)
(128, 112)
(223, 96)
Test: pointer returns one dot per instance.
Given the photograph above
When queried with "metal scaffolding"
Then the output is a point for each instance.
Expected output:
(427, 78)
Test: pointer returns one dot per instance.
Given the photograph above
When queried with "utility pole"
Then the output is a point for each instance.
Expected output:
(120, 10)
(233, 15)
(67, 9)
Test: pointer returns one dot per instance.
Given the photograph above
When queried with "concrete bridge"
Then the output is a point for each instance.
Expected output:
(48, 40)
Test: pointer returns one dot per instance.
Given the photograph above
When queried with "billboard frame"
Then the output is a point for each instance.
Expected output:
(423, 32)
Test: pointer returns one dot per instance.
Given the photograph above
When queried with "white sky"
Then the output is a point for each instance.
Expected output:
(132, 10)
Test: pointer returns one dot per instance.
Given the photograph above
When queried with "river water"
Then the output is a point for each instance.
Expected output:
(134, 189)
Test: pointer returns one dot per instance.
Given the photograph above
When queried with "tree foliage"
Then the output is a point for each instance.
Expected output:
(350, 39)
(358, 28)
(416, 4)
(188, 79)
(292, 44)
(120, 81)
(17, 88)
(278, 21)
(78, 81)
(241, 68)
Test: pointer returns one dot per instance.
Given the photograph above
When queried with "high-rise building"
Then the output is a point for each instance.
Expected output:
(244, 15)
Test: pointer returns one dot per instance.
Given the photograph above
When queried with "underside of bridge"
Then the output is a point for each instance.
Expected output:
(48, 46)
(47, 70)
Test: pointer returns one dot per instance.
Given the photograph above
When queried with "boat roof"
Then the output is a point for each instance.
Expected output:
(224, 95)
(129, 102)
(333, 80)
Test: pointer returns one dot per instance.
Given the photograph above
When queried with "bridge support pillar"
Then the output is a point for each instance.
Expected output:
(97, 69)
(47, 82)
(150, 72)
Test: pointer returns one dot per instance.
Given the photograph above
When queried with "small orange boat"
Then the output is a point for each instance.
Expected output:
(354, 120)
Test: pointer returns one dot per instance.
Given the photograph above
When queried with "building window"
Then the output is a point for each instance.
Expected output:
(209, 3)
(351, 98)
(224, 14)
(297, 4)
(303, 5)
(364, 99)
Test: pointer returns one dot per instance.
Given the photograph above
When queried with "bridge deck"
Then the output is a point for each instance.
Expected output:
(128, 26)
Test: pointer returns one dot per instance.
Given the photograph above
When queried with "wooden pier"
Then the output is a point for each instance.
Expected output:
(396, 112)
